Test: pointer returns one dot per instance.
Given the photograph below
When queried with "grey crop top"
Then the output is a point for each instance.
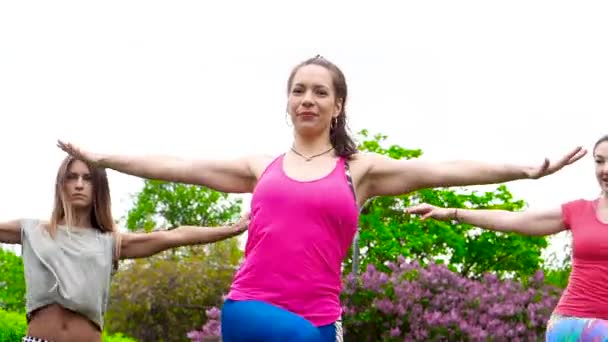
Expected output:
(74, 269)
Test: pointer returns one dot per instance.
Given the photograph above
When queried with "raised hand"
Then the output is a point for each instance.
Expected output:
(243, 223)
(548, 168)
(79, 153)
(426, 211)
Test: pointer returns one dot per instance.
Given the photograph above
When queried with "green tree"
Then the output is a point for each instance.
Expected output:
(558, 266)
(12, 282)
(387, 232)
(163, 297)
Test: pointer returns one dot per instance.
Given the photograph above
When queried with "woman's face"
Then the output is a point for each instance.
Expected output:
(312, 101)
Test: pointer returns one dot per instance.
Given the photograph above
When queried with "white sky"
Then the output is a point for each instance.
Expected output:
(501, 81)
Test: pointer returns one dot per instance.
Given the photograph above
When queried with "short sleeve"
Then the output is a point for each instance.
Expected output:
(26, 226)
(569, 210)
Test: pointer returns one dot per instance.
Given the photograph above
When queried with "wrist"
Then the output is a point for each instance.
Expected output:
(236, 229)
(519, 171)
(103, 161)
(454, 215)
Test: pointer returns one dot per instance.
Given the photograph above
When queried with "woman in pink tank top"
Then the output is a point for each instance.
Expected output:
(304, 209)
(582, 312)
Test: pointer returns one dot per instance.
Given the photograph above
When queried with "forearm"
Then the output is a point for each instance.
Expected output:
(193, 235)
(165, 168)
(496, 220)
(457, 173)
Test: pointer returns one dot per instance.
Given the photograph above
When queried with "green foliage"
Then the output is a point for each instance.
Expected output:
(163, 204)
(387, 232)
(118, 337)
(13, 326)
(12, 283)
(162, 297)
(558, 267)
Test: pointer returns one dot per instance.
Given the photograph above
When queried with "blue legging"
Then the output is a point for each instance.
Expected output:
(566, 328)
(255, 321)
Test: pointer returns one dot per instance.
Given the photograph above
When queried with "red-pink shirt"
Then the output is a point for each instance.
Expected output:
(587, 292)
(299, 234)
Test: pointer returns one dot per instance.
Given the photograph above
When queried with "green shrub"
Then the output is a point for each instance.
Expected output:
(118, 337)
(13, 327)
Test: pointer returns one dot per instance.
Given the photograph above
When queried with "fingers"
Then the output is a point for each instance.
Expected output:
(66, 146)
(578, 155)
(569, 158)
(418, 208)
(566, 159)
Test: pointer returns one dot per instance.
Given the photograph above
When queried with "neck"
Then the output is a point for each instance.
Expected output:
(81, 218)
(311, 145)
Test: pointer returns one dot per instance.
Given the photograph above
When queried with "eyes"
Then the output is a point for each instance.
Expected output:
(74, 176)
(318, 91)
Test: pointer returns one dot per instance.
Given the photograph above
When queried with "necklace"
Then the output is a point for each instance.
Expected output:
(311, 157)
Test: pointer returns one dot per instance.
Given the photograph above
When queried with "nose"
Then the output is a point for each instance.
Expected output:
(79, 183)
(307, 100)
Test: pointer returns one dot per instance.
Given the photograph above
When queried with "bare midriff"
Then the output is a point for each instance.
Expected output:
(57, 324)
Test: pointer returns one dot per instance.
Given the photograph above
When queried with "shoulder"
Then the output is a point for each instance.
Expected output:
(579, 210)
(27, 224)
(259, 163)
(367, 164)
(577, 204)
(363, 160)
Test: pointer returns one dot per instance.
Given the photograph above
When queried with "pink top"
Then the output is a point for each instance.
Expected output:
(300, 233)
(587, 292)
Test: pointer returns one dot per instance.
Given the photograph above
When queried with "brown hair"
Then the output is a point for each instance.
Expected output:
(101, 217)
(338, 134)
(599, 141)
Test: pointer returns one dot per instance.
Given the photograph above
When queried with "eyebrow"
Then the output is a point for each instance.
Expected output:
(78, 173)
(314, 85)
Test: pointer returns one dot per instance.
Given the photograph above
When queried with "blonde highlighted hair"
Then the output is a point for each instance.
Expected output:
(101, 215)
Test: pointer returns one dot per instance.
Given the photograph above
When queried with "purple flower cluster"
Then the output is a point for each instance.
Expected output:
(416, 303)
(211, 331)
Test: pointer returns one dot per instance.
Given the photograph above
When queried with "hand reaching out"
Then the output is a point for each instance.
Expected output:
(430, 211)
(78, 153)
(548, 168)
(243, 223)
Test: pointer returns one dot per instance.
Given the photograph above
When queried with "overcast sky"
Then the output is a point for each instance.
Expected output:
(509, 81)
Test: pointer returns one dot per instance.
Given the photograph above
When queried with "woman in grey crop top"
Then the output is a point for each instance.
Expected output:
(68, 261)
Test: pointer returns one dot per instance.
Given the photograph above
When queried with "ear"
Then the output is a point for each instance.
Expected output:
(339, 105)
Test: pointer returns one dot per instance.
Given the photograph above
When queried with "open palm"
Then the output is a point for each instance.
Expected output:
(548, 167)
(79, 153)
(426, 211)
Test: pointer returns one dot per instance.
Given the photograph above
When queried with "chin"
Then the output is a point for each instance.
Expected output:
(80, 204)
(309, 128)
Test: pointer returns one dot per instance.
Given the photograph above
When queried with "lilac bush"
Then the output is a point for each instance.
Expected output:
(416, 303)
(210, 331)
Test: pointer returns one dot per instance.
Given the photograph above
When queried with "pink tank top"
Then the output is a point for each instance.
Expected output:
(300, 233)
(587, 292)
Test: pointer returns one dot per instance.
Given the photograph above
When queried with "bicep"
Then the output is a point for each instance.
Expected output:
(233, 176)
(388, 177)
(541, 222)
(140, 245)
(10, 232)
